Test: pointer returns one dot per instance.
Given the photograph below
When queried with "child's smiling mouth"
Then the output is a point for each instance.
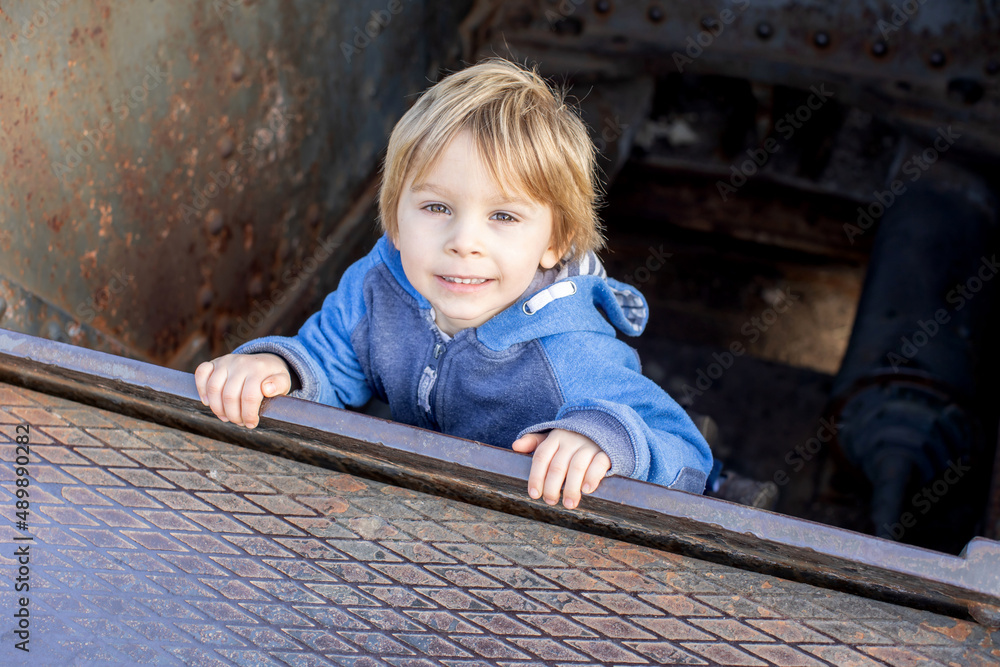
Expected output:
(462, 283)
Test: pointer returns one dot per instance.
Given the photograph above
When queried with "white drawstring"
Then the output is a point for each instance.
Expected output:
(547, 296)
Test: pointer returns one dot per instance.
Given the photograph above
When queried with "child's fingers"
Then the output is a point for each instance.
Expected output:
(214, 387)
(527, 443)
(578, 467)
(276, 385)
(254, 393)
(596, 471)
(540, 465)
(250, 403)
(557, 470)
(232, 398)
(201, 375)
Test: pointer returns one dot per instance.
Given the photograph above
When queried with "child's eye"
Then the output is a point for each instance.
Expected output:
(504, 217)
(436, 208)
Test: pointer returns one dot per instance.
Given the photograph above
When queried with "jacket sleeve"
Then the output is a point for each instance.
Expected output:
(644, 432)
(323, 353)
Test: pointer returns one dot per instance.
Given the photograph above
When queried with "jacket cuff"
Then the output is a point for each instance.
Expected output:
(297, 362)
(609, 434)
(691, 480)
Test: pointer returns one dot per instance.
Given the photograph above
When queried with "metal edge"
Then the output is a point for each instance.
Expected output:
(630, 510)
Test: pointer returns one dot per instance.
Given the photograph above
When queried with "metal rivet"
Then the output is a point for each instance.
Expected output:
(937, 58)
(213, 221)
(237, 71)
(880, 49)
(602, 7)
(655, 14)
(764, 30)
(226, 147)
(821, 39)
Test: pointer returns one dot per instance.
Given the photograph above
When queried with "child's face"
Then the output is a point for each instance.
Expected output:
(457, 225)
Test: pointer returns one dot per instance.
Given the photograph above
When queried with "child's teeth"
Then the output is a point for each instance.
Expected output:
(466, 281)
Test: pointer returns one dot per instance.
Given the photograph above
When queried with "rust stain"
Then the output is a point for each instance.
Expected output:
(106, 218)
(90, 256)
(344, 484)
(398, 491)
(959, 632)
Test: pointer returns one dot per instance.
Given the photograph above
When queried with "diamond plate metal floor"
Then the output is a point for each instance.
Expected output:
(154, 546)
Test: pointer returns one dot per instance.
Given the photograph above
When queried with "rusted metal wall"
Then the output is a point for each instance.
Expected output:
(174, 175)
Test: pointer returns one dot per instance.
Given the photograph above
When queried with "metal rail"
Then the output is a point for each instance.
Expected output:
(495, 478)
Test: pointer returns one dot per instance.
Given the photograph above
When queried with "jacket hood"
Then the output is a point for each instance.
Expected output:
(558, 300)
(562, 299)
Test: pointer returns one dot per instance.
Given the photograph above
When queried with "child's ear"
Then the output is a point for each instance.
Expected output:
(554, 252)
(551, 257)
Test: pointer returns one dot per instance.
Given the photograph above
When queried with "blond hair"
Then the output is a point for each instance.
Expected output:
(538, 146)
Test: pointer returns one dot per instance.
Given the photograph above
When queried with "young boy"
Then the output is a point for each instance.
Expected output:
(483, 311)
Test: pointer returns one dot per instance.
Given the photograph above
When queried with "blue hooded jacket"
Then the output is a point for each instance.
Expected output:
(550, 360)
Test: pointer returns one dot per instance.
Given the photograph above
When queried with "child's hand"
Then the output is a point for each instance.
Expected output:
(563, 456)
(235, 384)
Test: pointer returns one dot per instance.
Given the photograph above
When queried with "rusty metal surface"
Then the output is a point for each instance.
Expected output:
(218, 148)
(626, 509)
(155, 546)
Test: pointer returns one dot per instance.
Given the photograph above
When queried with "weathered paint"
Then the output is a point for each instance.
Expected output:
(166, 168)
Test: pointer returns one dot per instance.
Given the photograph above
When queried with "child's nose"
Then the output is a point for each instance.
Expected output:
(466, 238)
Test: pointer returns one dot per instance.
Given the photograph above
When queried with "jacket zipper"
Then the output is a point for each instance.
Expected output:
(426, 390)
